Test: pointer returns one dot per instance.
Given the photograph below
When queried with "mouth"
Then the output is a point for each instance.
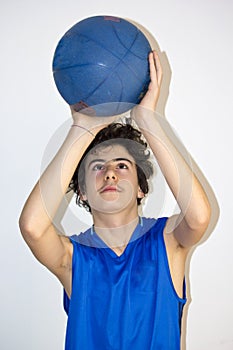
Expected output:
(109, 189)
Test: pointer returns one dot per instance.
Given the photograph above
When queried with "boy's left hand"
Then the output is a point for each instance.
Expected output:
(150, 99)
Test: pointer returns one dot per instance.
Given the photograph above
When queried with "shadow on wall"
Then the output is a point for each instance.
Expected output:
(215, 212)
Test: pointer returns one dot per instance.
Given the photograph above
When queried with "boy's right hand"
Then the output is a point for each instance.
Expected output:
(86, 118)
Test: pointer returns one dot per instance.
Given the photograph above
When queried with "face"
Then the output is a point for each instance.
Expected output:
(111, 183)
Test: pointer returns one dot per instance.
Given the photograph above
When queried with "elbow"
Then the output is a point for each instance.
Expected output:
(204, 217)
(27, 229)
(200, 223)
(193, 226)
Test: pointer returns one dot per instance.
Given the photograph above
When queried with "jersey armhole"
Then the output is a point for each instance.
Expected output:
(66, 298)
(165, 256)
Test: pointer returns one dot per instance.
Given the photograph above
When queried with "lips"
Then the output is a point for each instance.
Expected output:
(110, 188)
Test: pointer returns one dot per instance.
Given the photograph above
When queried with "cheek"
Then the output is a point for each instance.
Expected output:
(131, 177)
(93, 179)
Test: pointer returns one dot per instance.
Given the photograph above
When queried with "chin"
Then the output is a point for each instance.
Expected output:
(112, 206)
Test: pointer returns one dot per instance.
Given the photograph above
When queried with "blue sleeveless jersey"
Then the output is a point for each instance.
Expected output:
(123, 302)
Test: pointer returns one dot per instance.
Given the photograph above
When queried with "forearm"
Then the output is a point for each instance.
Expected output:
(175, 164)
(44, 200)
(176, 167)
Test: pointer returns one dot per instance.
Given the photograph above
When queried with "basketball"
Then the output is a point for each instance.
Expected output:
(102, 62)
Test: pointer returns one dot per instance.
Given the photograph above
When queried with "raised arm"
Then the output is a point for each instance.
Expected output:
(189, 226)
(36, 220)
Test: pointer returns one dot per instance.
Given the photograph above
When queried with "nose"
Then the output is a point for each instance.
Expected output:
(110, 175)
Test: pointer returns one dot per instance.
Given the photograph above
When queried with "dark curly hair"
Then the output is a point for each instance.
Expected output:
(116, 134)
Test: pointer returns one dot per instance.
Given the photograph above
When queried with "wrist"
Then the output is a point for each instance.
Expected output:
(76, 125)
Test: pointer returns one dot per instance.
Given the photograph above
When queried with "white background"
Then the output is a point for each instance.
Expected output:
(197, 39)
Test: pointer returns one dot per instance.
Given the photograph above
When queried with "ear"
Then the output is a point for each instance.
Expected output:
(140, 193)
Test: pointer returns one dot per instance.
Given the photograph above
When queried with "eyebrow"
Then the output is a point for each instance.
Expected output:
(112, 160)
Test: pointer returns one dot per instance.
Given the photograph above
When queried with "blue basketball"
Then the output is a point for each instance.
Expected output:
(102, 62)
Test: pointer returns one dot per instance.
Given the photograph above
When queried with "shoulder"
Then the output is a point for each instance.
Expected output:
(148, 222)
(154, 226)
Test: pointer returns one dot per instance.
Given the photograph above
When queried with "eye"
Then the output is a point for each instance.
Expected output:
(98, 167)
(122, 166)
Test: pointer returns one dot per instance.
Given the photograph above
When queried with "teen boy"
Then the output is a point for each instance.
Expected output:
(123, 278)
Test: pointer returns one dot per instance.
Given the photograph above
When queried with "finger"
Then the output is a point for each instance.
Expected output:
(152, 66)
(158, 67)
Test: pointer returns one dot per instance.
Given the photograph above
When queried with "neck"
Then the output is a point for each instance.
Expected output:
(115, 230)
(108, 219)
